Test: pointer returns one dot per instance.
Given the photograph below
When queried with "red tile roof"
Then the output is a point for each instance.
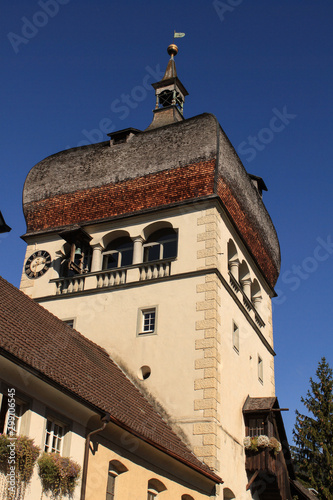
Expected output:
(35, 338)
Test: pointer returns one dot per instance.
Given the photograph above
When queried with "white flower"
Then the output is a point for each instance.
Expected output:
(247, 442)
(263, 441)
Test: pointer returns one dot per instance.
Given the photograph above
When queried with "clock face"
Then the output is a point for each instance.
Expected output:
(37, 264)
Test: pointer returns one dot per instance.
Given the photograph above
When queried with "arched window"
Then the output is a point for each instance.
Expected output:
(187, 497)
(162, 244)
(244, 273)
(245, 279)
(232, 251)
(115, 469)
(228, 494)
(118, 253)
(233, 262)
(256, 296)
(152, 493)
(154, 488)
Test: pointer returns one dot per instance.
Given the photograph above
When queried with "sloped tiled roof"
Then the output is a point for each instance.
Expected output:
(259, 404)
(35, 338)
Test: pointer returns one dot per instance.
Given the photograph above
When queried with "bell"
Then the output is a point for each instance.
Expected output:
(78, 252)
(166, 98)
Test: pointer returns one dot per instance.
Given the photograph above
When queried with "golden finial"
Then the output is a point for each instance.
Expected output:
(172, 50)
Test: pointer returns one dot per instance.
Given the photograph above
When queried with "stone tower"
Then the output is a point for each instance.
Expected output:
(156, 245)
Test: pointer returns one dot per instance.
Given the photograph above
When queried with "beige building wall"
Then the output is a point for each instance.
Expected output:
(197, 374)
(44, 401)
(137, 468)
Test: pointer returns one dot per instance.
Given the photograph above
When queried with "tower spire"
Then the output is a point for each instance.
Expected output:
(170, 94)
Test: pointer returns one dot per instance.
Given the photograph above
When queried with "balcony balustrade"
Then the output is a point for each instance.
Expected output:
(236, 286)
(110, 278)
(70, 285)
(152, 270)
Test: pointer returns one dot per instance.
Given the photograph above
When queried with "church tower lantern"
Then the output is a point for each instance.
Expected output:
(170, 94)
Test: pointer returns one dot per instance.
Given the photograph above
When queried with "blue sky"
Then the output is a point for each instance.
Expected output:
(68, 67)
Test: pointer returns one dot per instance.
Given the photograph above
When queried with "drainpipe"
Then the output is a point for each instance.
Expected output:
(105, 420)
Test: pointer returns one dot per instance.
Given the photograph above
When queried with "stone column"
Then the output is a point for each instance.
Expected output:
(246, 284)
(234, 268)
(96, 262)
(256, 301)
(137, 250)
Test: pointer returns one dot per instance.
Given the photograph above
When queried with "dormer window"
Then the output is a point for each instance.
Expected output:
(258, 183)
(122, 136)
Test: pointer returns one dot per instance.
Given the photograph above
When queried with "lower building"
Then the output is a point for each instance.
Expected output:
(66, 393)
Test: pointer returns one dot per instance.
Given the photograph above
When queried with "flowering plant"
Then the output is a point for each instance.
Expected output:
(262, 441)
(4, 453)
(18, 456)
(247, 442)
(251, 443)
(58, 475)
(275, 445)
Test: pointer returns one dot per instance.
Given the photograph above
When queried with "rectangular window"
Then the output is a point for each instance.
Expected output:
(13, 417)
(235, 338)
(69, 322)
(260, 370)
(111, 260)
(110, 487)
(170, 248)
(55, 432)
(126, 257)
(151, 252)
(256, 426)
(147, 321)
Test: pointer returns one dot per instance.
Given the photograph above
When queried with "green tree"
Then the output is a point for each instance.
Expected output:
(313, 435)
